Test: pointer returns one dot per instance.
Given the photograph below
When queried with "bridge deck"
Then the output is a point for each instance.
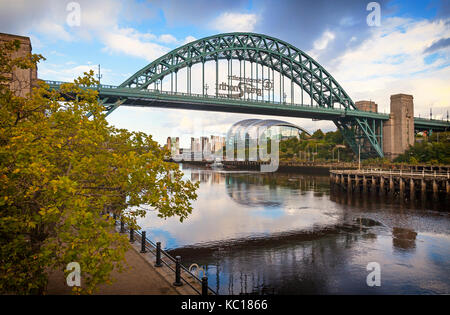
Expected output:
(191, 101)
(180, 100)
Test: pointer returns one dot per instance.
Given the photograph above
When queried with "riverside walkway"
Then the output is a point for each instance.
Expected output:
(141, 278)
(151, 271)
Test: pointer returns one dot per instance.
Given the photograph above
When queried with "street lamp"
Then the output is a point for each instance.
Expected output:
(99, 76)
(206, 88)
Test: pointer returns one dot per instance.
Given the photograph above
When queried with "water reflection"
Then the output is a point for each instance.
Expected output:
(286, 234)
(404, 239)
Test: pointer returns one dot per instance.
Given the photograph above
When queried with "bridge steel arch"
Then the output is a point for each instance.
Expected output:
(360, 132)
(268, 51)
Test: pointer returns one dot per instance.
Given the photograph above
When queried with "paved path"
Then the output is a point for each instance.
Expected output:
(142, 278)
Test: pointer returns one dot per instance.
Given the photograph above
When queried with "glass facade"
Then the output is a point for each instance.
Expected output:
(253, 129)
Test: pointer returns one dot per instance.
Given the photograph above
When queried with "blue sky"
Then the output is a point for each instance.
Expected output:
(407, 53)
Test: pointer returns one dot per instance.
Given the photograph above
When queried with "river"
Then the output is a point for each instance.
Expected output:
(282, 233)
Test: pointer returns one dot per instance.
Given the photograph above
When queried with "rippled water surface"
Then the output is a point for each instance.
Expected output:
(289, 234)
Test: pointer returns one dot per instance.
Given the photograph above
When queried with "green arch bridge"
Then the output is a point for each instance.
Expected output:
(326, 99)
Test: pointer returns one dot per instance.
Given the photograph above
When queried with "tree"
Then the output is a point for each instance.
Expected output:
(318, 134)
(432, 151)
(61, 172)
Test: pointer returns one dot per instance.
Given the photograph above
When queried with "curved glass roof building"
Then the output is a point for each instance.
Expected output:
(255, 128)
(247, 133)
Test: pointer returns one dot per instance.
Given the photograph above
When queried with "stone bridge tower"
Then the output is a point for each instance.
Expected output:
(398, 131)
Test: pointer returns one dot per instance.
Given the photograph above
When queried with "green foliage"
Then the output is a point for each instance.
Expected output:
(434, 150)
(318, 134)
(376, 162)
(60, 172)
(318, 147)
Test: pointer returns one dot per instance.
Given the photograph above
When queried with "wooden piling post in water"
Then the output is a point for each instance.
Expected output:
(402, 186)
(435, 188)
(357, 189)
(412, 190)
(382, 185)
(364, 183)
(423, 186)
(373, 185)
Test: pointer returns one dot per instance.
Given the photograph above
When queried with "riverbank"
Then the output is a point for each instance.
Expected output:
(140, 278)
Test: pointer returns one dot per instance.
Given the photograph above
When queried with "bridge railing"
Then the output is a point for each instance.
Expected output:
(198, 95)
(238, 99)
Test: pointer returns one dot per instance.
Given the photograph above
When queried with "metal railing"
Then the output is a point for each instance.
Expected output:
(164, 258)
(429, 174)
(214, 96)
(249, 100)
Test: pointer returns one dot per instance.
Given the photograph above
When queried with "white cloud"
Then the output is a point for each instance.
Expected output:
(392, 61)
(323, 41)
(63, 73)
(167, 39)
(99, 20)
(133, 43)
(189, 39)
(235, 22)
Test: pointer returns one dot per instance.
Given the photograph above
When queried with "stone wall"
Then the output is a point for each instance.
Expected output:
(20, 80)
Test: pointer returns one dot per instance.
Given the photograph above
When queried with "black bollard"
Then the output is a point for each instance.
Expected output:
(205, 286)
(143, 237)
(158, 255)
(177, 282)
(131, 236)
(122, 226)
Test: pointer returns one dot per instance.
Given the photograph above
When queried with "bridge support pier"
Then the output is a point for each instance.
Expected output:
(412, 191)
(398, 131)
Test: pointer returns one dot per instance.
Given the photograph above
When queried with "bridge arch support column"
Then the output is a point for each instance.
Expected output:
(398, 131)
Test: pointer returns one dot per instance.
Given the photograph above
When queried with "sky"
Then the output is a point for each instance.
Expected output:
(406, 52)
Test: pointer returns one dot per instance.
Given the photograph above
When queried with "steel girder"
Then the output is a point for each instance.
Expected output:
(261, 49)
(275, 54)
(363, 135)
